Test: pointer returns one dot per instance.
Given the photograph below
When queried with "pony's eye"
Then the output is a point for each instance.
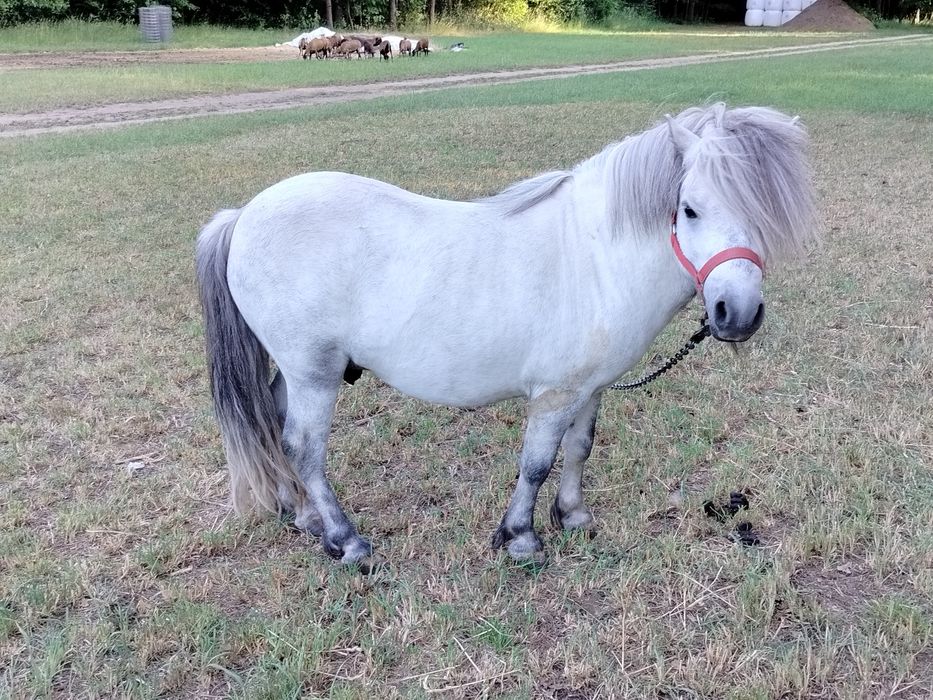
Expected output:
(690, 213)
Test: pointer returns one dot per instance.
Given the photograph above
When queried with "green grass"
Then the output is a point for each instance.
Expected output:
(25, 90)
(77, 35)
(139, 582)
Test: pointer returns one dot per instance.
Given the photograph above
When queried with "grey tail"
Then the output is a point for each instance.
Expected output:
(238, 365)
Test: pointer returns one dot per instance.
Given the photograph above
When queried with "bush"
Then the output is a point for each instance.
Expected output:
(598, 11)
(558, 10)
(502, 12)
(21, 11)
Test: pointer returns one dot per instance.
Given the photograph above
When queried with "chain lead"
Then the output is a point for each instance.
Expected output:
(695, 339)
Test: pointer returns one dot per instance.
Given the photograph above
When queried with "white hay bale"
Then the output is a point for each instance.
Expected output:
(793, 5)
(755, 5)
(754, 18)
(394, 42)
(772, 18)
(772, 5)
(314, 34)
(806, 3)
(788, 15)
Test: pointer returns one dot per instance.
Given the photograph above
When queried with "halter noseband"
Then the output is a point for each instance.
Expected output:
(722, 256)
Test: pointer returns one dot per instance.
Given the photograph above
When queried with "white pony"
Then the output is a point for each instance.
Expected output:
(549, 290)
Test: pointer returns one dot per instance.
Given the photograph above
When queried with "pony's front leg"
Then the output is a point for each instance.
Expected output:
(542, 438)
(569, 511)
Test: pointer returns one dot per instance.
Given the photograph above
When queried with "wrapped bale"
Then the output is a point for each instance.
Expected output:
(772, 18)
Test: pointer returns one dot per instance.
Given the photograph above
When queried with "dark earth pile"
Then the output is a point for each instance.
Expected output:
(829, 16)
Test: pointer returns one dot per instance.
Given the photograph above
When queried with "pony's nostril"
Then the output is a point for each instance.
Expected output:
(759, 316)
(720, 313)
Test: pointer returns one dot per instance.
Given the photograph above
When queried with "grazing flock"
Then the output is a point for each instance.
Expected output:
(339, 46)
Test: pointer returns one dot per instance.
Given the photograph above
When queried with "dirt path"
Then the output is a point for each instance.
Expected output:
(121, 114)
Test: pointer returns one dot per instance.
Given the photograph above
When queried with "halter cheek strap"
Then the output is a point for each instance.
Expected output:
(722, 256)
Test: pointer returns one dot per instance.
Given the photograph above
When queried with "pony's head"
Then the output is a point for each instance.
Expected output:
(744, 200)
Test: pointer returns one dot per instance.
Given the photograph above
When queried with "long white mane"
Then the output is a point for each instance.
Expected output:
(754, 156)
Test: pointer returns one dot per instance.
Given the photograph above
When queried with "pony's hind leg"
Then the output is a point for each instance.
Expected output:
(569, 511)
(542, 438)
(306, 516)
(307, 426)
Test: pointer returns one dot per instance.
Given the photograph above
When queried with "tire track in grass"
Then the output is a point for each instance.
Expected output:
(127, 113)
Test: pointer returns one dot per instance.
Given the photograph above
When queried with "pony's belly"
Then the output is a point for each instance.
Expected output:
(463, 399)
(448, 385)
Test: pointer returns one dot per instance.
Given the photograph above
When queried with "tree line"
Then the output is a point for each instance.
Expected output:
(393, 13)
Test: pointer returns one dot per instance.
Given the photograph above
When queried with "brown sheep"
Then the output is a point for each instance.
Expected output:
(385, 50)
(349, 46)
(334, 41)
(302, 48)
(404, 47)
(319, 47)
(368, 48)
(421, 47)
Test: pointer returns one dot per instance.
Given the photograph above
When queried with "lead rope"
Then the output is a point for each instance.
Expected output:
(695, 339)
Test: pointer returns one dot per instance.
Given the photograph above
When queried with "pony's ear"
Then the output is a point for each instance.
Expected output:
(682, 137)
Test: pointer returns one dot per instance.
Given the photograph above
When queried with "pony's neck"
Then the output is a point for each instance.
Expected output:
(639, 178)
(633, 267)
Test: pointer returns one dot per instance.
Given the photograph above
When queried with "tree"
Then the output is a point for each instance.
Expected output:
(393, 13)
(328, 14)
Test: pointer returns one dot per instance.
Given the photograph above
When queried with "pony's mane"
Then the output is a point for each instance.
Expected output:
(524, 194)
(755, 157)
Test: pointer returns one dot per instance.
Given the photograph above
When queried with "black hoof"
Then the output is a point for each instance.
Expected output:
(349, 547)
(557, 515)
(370, 565)
(504, 534)
(523, 543)
(574, 520)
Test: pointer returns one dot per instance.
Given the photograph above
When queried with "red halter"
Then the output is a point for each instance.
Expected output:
(728, 254)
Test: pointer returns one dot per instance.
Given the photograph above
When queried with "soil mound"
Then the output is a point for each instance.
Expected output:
(829, 16)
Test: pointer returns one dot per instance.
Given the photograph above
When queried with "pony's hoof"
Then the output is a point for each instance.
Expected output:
(522, 553)
(368, 566)
(523, 545)
(578, 518)
(352, 549)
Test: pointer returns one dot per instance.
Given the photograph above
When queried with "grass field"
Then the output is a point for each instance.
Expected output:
(123, 573)
(77, 35)
(28, 90)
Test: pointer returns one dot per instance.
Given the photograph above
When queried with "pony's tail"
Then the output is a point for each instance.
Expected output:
(238, 366)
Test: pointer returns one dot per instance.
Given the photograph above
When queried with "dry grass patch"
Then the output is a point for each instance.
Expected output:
(123, 572)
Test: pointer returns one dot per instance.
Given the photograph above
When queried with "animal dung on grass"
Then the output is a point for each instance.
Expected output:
(723, 511)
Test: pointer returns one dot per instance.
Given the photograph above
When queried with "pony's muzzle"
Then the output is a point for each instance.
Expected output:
(735, 320)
